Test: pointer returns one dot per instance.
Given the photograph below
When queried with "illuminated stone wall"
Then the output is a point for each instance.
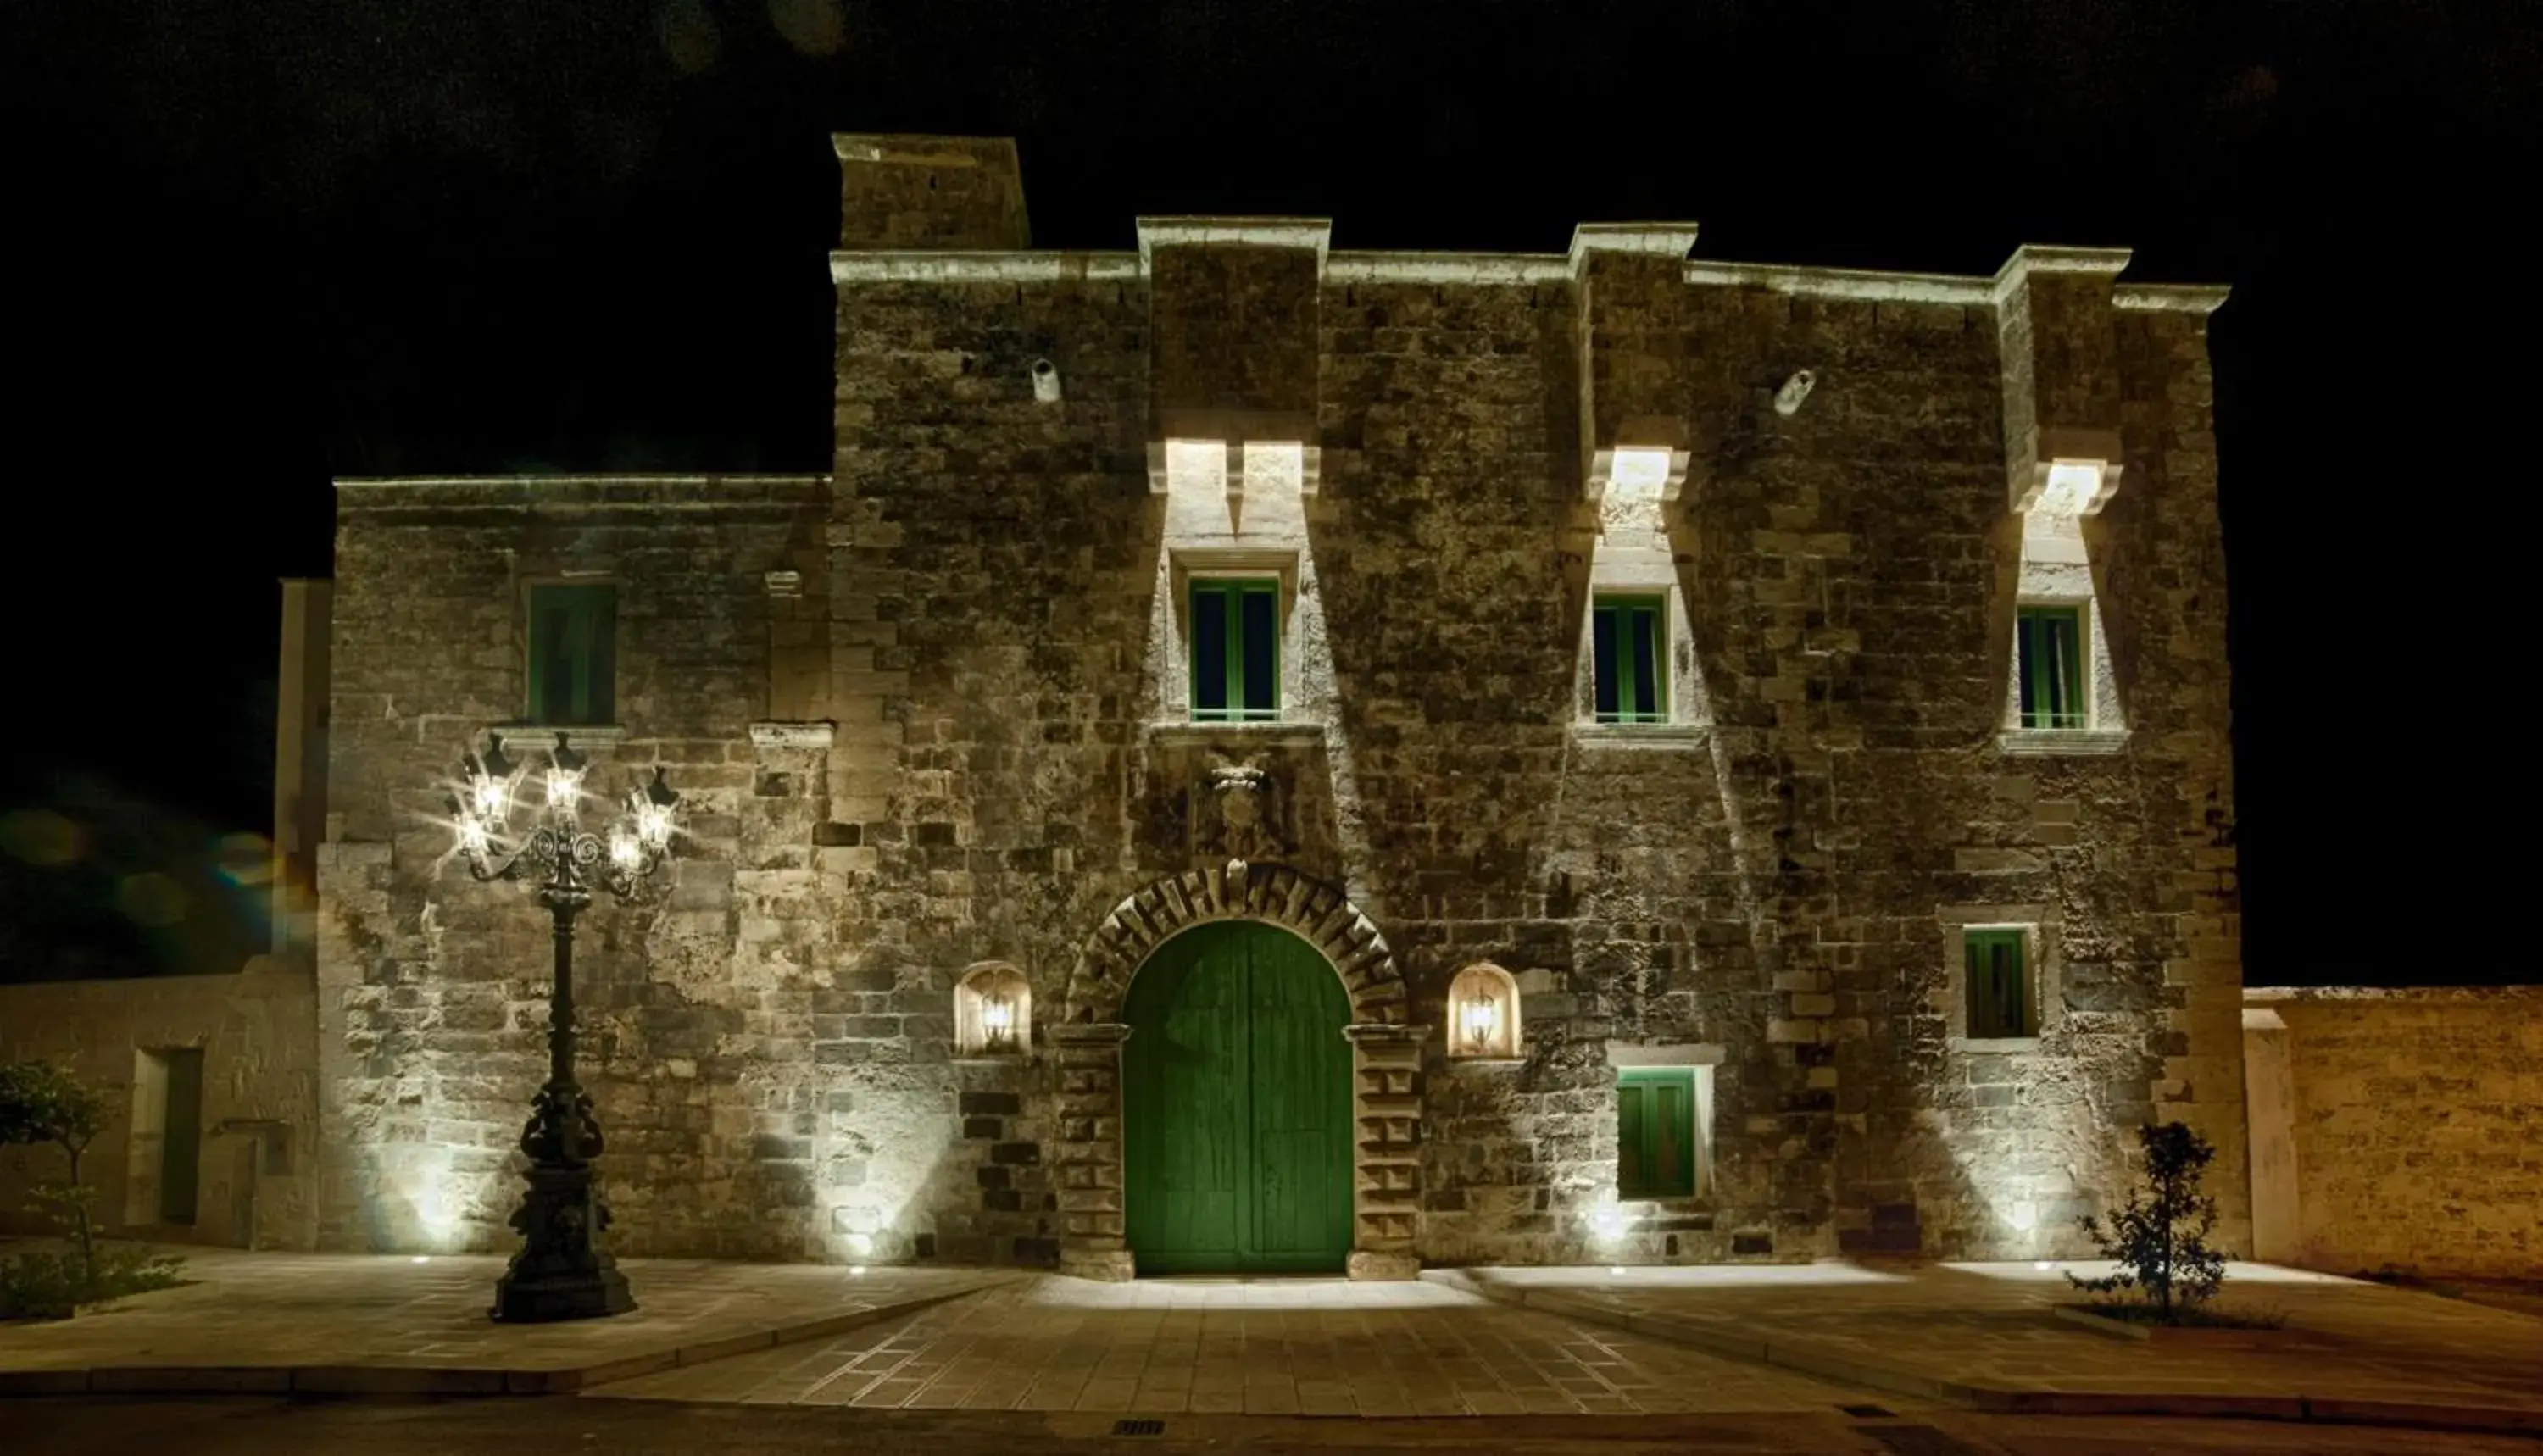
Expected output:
(983, 605)
(2397, 1129)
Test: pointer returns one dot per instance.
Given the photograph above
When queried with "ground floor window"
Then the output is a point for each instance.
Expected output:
(1655, 1132)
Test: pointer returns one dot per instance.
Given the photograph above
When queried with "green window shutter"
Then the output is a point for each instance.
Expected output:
(1629, 651)
(1655, 1132)
(1999, 989)
(2050, 670)
(574, 654)
(1235, 649)
(1632, 1119)
(1602, 639)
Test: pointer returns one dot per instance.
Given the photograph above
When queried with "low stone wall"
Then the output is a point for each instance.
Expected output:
(257, 1031)
(2397, 1128)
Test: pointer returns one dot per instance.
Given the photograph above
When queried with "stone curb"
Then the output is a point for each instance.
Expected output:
(449, 1380)
(2005, 1400)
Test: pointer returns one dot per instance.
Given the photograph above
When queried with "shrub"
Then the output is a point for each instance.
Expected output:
(2159, 1238)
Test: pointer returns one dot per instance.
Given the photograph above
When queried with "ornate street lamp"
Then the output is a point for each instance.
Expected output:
(560, 1272)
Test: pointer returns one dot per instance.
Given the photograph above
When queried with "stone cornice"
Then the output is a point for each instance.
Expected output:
(460, 496)
(2270, 995)
(985, 268)
(1447, 268)
(416, 482)
(1235, 232)
(1665, 239)
(2044, 258)
(2181, 298)
(1844, 282)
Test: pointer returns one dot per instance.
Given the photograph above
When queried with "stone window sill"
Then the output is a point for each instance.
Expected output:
(526, 734)
(1288, 732)
(1639, 735)
(2043, 742)
(1487, 1061)
(1994, 1044)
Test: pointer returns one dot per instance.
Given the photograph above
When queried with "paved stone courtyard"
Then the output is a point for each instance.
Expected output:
(1542, 1343)
(1267, 1347)
(253, 1317)
(1990, 1324)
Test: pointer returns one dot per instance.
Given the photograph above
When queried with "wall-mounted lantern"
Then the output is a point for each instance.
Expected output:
(1483, 1015)
(993, 1012)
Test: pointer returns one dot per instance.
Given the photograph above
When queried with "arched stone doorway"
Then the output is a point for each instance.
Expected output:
(1088, 1042)
(1236, 1107)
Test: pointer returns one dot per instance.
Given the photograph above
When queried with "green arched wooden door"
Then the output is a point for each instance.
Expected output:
(1236, 1105)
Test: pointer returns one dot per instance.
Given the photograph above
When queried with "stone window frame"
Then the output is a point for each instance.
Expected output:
(525, 587)
(1250, 562)
(2042, 966)
(1703, 1058)
(1684, 722)
(2063, 583)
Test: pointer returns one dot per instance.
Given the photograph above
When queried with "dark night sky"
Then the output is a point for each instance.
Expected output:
(261, 245)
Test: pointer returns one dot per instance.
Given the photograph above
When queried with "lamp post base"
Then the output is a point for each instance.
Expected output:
(560, 1274)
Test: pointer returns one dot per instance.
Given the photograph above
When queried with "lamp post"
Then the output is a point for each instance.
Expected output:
(560, 1273)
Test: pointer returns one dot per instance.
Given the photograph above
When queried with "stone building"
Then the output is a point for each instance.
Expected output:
(1261, 757)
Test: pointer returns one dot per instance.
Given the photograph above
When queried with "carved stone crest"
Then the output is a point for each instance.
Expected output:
(1238, 815)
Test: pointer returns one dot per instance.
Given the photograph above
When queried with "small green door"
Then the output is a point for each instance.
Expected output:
(1236, 1105)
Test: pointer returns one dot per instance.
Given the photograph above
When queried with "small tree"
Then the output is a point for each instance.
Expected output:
(40, 1102)
(2159, 1239)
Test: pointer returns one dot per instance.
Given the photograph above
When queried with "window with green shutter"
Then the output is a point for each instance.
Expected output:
(2050, 646)
(1235, 649)
(2000, 983)
(574, 654)
(1629, 649)
(1655, 1132)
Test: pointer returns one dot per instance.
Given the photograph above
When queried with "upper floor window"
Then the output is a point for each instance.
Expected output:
(2049, 666)
(1629, 650)
(574, 654)
(2000, 983)
(1235, 649)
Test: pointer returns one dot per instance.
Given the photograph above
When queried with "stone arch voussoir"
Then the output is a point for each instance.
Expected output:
(1272, 895)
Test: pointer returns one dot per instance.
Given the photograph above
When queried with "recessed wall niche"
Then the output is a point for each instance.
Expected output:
(1483, 1015)
(993, 1012)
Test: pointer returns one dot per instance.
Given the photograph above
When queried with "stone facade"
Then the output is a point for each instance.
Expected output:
(929, 711)
(2397, 1129)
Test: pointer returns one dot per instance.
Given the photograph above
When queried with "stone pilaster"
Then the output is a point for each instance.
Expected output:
(1087, 1166)
(1386, 1114)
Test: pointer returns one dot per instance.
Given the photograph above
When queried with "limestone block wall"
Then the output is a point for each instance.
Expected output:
(432, 988)
(2398, 1130)
(260, 1135)
(927, 714)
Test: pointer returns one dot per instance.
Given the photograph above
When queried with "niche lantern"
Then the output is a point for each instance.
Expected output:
(1483, 1015)
(993, 1012)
